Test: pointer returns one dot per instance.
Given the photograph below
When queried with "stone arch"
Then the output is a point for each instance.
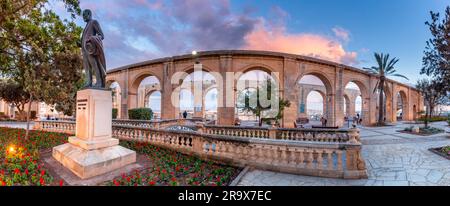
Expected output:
(133, 97)
(156, 114)
(139, 78)
(365, 99)
(328, 96)
(257, 67)
(403, 99)
(116, 96)
(324, 105)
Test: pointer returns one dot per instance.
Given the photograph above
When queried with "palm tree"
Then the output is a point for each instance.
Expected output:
(384, 68)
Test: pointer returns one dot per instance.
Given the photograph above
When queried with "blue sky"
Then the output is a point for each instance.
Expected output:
(346, 31)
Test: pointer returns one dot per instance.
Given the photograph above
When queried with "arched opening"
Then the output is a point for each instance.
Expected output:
(353, 111)
(315, 107)
(146, 85)
(401, 107)
(186, 103)
(314, 100)
(210, 103)
(415, 112)
(247, 87)
(116, 93)
(153, 101)
(193, 90)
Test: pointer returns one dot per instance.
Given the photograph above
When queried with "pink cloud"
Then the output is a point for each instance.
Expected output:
(315, 45)
(341, 33)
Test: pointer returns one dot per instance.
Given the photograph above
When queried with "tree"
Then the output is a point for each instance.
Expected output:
(436, 60)
(384, 68)
(433, 92)
(13, 93)
(40, 52)
(259, 102)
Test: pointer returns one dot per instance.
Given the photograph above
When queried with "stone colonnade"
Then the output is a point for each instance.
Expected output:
(289, 68)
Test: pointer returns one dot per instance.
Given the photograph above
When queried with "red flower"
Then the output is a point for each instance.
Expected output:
(151, 183)
(128, 179)
(42, 181)
(16, 171)
(61, 182)
(42, 172)
(116, 183)
(174, 179)
(26, 171)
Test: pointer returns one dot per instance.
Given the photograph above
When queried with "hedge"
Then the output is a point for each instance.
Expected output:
(140, 114)
(114, 113)
(434, 118)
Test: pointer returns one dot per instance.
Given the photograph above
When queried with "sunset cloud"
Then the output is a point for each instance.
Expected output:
(341, 33)
(139, 30)
(314, 45)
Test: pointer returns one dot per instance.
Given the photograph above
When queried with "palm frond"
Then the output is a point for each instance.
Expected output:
(399, 75)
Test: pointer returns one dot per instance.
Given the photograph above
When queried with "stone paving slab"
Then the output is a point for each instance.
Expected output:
(392, 159)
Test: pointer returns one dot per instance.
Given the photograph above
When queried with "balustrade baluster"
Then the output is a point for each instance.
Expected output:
(330, 159)
(339, 160)
(319, 159)
(309, 158)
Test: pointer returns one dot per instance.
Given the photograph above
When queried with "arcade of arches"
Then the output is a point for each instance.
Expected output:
(339, 90)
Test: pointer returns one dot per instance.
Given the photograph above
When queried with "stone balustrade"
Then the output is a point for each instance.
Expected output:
(326, 159)
(315, 152)
(255, 132)
(56, 126)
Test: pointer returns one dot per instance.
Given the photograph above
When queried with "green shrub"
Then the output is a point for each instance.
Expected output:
(140, 114)
(434, 119)
(114, 113)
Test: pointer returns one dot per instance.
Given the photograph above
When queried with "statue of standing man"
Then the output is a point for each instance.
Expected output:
(92, 49)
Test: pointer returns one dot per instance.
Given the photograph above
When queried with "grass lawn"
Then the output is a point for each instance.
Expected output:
(20, 163)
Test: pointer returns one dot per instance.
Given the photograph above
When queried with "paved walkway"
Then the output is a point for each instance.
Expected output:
(392, 159)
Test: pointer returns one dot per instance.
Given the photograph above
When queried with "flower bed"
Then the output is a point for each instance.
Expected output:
(422, 131)
(173, 168)
(19, 158)
(442, 151)
(20, 163)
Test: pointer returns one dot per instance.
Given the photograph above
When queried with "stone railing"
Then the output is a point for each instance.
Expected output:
(316, 135)
(158, 124)
(56, 126)
(326, 159)
(299, 151)
(255, 132)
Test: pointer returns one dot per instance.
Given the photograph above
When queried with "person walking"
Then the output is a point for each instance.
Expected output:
(185, 114)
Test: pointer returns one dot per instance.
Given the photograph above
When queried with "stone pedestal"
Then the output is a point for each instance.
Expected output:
(93, 151)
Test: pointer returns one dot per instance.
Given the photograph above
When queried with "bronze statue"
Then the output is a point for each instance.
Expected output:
(92, 49)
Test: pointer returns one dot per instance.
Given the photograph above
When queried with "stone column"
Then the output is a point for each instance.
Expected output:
(289, 91)
(226, 93)
(168, 110)
(197, 91)
(338, 102)
(124, 96)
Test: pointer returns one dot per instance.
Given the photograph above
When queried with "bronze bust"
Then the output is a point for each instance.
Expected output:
(92, 49)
